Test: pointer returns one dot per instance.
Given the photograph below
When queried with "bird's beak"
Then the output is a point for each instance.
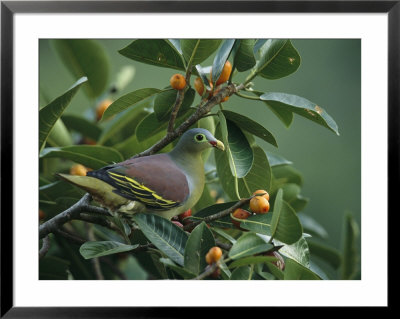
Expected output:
(218, 144)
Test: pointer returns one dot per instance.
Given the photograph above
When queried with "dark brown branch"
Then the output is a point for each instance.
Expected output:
(200, 112)
(71, 237)
(45, 247)
(71, 213)
(220, 214)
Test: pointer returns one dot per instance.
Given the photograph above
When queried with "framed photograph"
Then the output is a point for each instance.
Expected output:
(196, 154)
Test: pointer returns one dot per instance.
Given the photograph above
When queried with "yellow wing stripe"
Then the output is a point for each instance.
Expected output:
(141, 192)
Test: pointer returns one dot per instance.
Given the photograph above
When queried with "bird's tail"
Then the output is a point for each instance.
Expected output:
(85, 182)
(100, 190)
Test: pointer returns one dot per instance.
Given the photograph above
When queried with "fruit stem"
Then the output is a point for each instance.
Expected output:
(248, 96)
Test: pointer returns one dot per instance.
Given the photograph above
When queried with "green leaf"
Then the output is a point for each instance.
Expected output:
(199, 243)
(166, 236)
(259, 176)
(285, 225)
(49, 114)
(241, 273)
(250, 126)
(276, 160)
(249, 244)
(290, 192)
(91, 156)
(59, 135)
(204, 73)
(299, 203)
(128, 100)
(350, 254)
(310, 225)
(124, 76)
(252, 260)
(260, 223)
(244, 56)
(237, 147)
(328, 254)
(150, 126)
(224, 222)
(278, 58)
(176, 44)
(59, 189)
(223, 234)
(165, 101)
(220, 58)
(298, 251)
(132, 269)
(85, 57)
(302, 107)
(296, 271)
(132, 146)
(287, 174)
(183, 272)
(197, 50)
(81, 125)
(156, 52)
(93, 249)
(123, 124)
(285, 115)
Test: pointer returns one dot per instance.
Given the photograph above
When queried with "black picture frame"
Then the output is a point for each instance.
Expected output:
(9, 8)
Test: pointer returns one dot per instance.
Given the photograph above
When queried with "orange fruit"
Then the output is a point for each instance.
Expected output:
(101, 107)
(182, 216)
(213, 255)
(199, 86)
(225, 74)
(177, 81)
(240, 214)
(42, 215)
(259, 205)
(261, 191)
(78, 169)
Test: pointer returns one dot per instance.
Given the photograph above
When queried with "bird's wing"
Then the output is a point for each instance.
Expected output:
(156, 181)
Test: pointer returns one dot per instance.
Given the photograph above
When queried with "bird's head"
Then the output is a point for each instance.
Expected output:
(197, 140)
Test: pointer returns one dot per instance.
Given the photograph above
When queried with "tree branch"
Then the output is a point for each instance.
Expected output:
(200, 112)
(45, 247)
(220, 214)
(71, 213)
(208, 272)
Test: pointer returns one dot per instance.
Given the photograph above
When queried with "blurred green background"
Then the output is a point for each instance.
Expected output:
(329, 75)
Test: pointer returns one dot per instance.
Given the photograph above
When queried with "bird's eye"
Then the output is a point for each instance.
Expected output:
(199, 137)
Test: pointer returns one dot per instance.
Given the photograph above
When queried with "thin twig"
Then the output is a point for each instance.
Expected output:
(69, 236)
(71, 213)
(209, 271)
(45, 247)
(95, 261)
(220, 214)
(222, 245)
(198, 114)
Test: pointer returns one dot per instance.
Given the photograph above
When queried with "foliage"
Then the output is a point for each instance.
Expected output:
(151, 247)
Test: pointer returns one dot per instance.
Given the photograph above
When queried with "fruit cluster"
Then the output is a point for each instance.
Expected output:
(178, 82)
(259, 204)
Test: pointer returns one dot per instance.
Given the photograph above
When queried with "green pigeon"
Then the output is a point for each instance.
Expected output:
(165, 184)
